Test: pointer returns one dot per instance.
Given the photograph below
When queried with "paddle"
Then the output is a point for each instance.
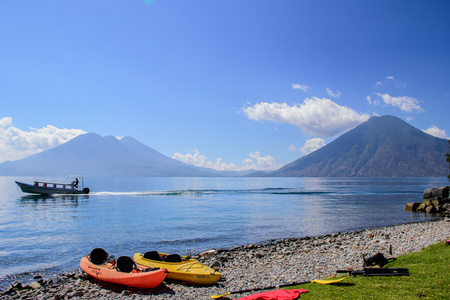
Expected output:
(281, 285)
(212, 251)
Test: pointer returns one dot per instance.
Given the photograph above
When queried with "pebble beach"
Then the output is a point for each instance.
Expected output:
(254, 266)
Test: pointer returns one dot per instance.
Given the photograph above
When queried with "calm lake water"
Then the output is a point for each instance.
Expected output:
(48, 235)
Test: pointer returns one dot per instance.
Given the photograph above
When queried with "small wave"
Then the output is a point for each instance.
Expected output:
(288, 191)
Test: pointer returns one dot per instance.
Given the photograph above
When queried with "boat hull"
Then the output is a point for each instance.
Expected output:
(108, 273)
(188, 270)
(41, 190)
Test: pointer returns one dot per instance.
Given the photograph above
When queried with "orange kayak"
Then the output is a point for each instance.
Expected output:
(138, 277)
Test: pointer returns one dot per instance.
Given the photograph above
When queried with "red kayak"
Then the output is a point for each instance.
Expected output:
(123, 271)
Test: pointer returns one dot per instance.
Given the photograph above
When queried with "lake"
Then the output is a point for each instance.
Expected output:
(49, 235)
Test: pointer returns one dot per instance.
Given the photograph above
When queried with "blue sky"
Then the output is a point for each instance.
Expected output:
(230, 84)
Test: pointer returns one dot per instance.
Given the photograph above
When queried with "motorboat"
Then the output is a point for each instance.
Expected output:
(71, 185)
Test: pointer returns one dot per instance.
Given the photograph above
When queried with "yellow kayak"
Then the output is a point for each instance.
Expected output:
(182, 269)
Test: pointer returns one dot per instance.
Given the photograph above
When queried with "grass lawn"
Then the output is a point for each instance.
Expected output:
(429, 278)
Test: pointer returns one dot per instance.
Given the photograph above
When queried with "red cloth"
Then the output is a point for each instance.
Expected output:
(276, 295)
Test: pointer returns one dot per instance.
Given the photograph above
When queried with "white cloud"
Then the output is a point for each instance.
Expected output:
(434, 131)
(255, 162)
(16, 144)
(312, 145)
(390, 82)
(319, 117)
(292, 148)
(374, 101)
(405, 103)
(262, 162)
(377, 85)
(333, 94)
(6, 121)
(195, 159)
(302, 87)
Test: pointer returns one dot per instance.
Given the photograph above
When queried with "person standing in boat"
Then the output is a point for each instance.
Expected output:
(75, 183)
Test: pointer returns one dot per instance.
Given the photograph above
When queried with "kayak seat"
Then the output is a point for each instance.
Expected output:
(175, 258)
(98, 256)
(153, 255)
(125, 264)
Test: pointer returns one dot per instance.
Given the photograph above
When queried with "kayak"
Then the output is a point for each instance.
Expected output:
(135, 276)
(182, 269)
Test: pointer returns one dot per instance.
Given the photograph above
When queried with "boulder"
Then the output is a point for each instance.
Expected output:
(429, 201)
(430, 209)
(443, 192)
(421, 207)
(435, 192)
(436, 202)
(412, 206)
(428, 193)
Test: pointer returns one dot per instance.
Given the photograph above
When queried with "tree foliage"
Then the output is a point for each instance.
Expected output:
(448, 160)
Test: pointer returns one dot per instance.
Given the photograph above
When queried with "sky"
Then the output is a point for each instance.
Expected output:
(232, 85)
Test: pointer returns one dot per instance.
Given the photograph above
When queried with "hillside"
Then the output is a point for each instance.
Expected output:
(381, 147)
(93, 155)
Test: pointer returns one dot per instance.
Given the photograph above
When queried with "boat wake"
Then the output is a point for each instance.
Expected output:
(199, 192)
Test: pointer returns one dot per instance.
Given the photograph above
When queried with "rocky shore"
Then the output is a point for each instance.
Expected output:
(254, 266)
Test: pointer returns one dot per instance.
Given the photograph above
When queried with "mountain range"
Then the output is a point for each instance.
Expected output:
(381, 147)
(93, 155)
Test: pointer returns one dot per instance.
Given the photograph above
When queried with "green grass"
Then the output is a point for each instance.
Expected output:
(429, 276)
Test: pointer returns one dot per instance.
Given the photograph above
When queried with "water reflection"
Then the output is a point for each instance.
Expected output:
(34, 200)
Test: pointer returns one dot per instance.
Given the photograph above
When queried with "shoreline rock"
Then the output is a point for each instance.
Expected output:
(253, 266)
(434, 200)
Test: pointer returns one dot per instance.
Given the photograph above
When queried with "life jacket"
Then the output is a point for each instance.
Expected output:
(276, 295)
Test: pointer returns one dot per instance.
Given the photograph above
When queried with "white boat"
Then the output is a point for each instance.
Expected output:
(50, 188)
